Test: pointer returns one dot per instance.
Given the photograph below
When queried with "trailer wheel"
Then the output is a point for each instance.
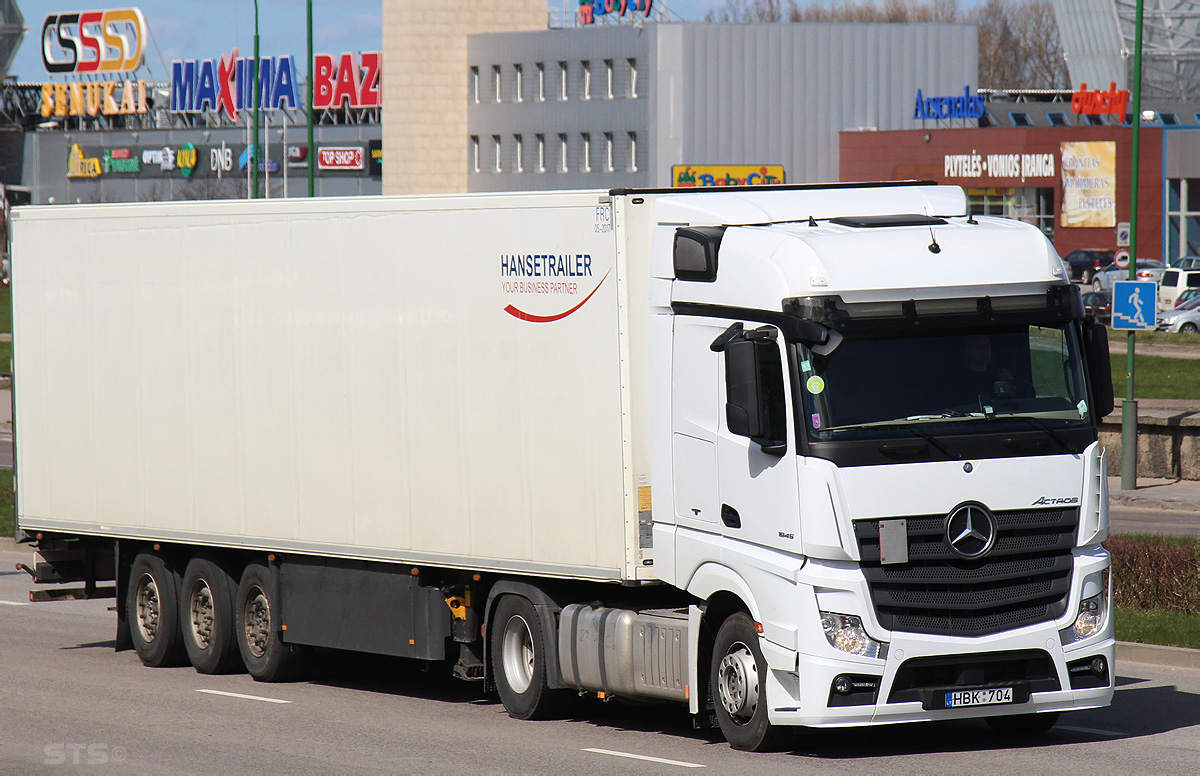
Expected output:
(738, 678)
(1023, 724)
(206, 612)
(257, 633)
(519, 660)
(152, 608)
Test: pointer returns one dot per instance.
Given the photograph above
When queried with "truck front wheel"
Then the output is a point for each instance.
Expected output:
(152, 609)
(206, 611)
(259, 636)
(519, 661)
(738, 678)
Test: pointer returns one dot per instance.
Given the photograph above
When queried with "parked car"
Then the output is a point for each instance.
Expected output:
(1147, 269)
(1099, 304)
(1187, 262)
(1184, 319)
(1083, 264)
(1187, 296)
(1174, 282)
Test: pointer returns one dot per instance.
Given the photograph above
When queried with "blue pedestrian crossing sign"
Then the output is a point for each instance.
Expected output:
(1133, 305)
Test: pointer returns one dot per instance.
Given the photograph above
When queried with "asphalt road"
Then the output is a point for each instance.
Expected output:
(1168, 522)
(70, 701)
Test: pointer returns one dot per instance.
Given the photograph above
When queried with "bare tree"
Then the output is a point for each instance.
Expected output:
(1019, 46)
(747, 11)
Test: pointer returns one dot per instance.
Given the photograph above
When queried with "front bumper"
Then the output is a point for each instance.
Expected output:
(919, 668)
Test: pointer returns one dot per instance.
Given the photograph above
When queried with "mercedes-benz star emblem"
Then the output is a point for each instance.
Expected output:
(970, 530)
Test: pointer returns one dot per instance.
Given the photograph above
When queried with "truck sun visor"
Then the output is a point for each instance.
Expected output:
(695, 252)
(1058, 303)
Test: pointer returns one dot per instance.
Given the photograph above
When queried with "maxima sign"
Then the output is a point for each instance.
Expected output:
(228, 84)
(94, 41)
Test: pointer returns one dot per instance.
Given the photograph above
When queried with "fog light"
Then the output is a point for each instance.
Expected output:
(1099, 666)
(1093, 614)
(842, 685)
(845, 633)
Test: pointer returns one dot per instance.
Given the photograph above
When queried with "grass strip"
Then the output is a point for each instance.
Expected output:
(1158, 626)
(8, 509)
(1158, 377)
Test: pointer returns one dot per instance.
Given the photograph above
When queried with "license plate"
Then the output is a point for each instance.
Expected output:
(988, 697)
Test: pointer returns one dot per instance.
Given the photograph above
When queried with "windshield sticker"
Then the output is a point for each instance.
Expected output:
(805, 366)
(1082, 407)
(816, 420)
(815, 384)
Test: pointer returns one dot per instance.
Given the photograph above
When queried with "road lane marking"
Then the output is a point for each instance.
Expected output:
(1093, 731)
(244, 697)
(659, 760)
(15, 603)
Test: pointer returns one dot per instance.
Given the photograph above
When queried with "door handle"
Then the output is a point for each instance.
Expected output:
(730, 517)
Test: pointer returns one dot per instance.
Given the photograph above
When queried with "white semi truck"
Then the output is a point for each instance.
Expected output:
(800, 456)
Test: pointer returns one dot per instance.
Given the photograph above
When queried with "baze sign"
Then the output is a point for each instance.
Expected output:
(351, 80)
(964, 107)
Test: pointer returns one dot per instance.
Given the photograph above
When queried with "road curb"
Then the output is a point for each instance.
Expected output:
(1176, 657)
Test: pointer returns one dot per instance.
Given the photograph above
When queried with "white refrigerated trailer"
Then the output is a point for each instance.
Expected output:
(737, 450)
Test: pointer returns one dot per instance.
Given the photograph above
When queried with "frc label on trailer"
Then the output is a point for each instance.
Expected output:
(547, 287)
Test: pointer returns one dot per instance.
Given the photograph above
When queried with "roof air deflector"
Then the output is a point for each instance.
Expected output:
(899, 219)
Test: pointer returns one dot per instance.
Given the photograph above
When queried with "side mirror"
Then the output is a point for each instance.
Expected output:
(1099, 366)
(743, 414)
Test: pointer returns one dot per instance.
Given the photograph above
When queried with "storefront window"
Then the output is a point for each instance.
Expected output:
(1031, 205)
(1183, 218)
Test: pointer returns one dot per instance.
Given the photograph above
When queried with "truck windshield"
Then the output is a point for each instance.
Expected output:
(936, 384)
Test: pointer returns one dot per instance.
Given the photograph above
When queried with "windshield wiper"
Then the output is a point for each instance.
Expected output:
(1040, 425)
(930, 439)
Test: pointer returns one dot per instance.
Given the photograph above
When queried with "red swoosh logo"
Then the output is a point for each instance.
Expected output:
(513, 311)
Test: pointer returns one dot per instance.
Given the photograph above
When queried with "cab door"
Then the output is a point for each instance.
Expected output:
(756, 446)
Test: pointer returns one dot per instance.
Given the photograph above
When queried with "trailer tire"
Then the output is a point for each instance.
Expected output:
(206, 611)
(738, 678)
(519, 660)
(1023, 724)
(258, 635)
(152, 608)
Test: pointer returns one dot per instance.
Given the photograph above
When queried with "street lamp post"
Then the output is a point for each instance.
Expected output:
(311, 149)
(257, 95)
(1129, 413)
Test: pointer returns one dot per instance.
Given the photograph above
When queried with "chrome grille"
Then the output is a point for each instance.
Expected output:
(1024, 579)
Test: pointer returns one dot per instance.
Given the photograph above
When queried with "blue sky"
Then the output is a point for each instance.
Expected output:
(204, 29)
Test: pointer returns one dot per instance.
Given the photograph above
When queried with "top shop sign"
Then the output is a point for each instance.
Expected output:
(110, 41)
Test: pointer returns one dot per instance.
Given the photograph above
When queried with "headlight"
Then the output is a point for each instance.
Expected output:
(845, 633)
(1093, 612)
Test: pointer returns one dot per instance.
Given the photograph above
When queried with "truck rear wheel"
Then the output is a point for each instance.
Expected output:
(258, 635)
(519, 661)
(738, 678)
(206, 612)
(152, 610)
